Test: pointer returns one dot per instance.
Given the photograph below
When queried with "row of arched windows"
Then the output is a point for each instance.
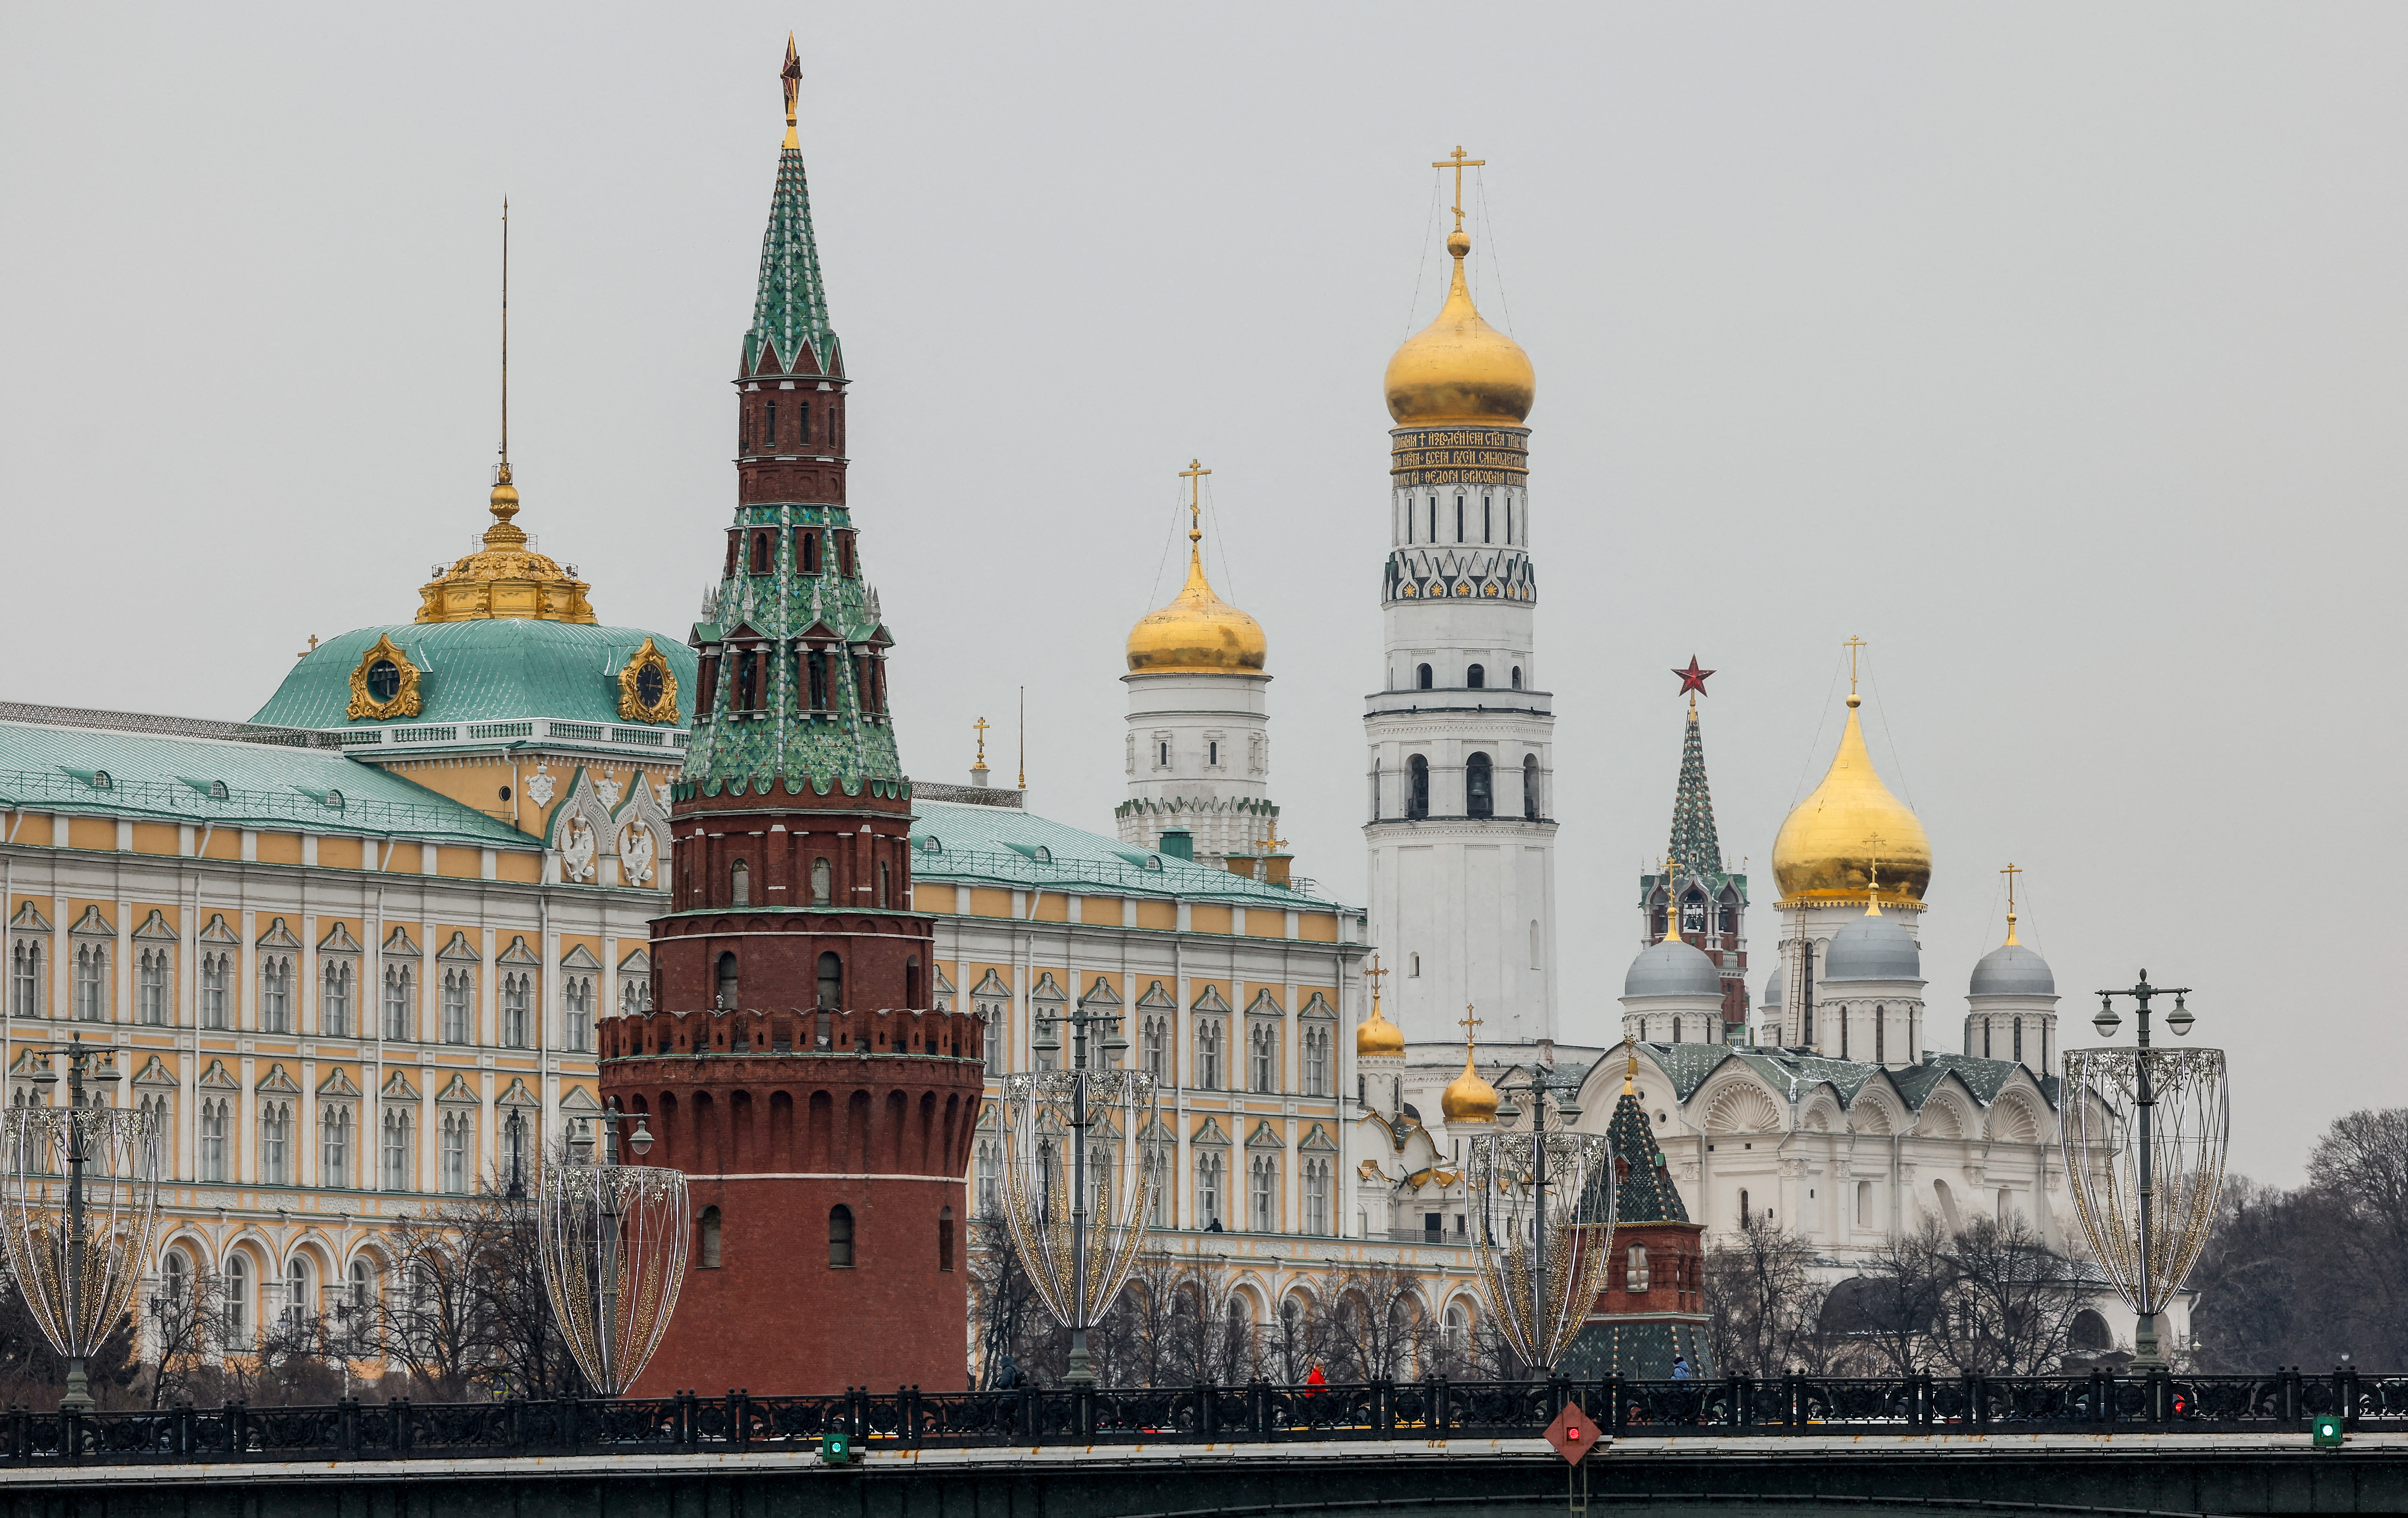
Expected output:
(1479, 787)
(1475, 677)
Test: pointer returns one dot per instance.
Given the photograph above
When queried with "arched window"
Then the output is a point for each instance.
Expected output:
(518, 993)
(1375, 790)
(841, 1239)
(1487, 519)
(1417, 786)
(1459, 519)
(760, 553)
(944, 1239)
(400, 1001)
(334, 1001)
(395, 1163)
(363, 1283)
(1881, 1035)
(217, 973)
(708, 1239)
(881, 889)
(740, 883)
(726, 998)
(1517, 677)
(1421, 677)
(831, 983)
(1476, 678)
(296, 1292)
(910, 977)
(213, 1140)
(769, 432)
(811, 550)
(1635, 1270)
(1263, 1209)
(237, 1312)
(1479, 787)
(1530, 786)
(823, 882)
(1864, 1204)
(455, 1004)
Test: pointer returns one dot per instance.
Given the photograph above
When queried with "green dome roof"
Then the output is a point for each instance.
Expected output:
(490, 670)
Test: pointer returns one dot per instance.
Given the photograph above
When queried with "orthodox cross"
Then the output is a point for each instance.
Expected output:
(1468, 1022)
(1872, 875)
(982, 726)
(1671, 899)
(791, 78)
(1692, 679)
(1272, 842)
(1194, 474)
(2011, 872)
(1375, 975)
(1456, 162)
(1853, 645)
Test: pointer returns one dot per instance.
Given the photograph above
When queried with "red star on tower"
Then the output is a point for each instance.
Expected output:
(1693, 677)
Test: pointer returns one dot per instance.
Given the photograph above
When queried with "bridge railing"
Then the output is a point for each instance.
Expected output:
(1432, 1410)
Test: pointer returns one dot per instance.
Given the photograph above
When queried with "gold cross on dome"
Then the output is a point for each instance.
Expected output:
(1872, 873)
(1855, 646)
(1456, 162)
(1194, 474)
(1468, 1022)
(982, 726)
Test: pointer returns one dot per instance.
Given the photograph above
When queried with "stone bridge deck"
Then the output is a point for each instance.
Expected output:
(1791, 1474)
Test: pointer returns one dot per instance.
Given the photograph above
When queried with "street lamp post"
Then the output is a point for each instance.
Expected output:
(77, 1251)
(1077, 1267)
(2146, 1191)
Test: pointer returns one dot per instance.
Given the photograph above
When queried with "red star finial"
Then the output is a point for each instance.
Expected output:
(1693, 677)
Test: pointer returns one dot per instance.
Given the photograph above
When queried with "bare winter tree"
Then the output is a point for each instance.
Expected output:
(466, 1311)
(1378, 1329)
(1765, 1309)
(2010, 1303)
(184, 1334)
(1296, 1340)
(1891, 1307)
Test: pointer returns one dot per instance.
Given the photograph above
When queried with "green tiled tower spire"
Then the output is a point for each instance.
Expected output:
(1643, 1190)
(793, 682)
(1696, 851)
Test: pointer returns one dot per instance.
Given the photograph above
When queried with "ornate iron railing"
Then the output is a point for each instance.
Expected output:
(2099, 1402)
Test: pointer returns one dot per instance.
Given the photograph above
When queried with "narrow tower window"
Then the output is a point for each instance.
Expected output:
(944, 1239)
(1417, 786)
(881, 882)
(831, 983)
(726, 980)
(1458, 520)
(821, 882)
(1433, 533)
(811, 550)
(841, 1239)
(1479, 787)
(1487, 519)
(1476, 678)
(760, 553)
(1517, 677)
(709, 1230)
(1423, 676)
(769, 438)
(803, 424)
(1530, 786)
(740, 885)
(1165, 760)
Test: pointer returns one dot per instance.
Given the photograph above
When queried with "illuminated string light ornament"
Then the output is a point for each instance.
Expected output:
(77, 1210)
(1542, 1218)
(1079, 1174)
(2144, 1136)
(613, 1240)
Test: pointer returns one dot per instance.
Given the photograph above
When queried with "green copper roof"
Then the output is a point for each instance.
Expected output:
(790, 305)
(959, 845)
(1687, 1065)
(265, 786)
(1643, 1192)
(501, 669)
(1693, 850)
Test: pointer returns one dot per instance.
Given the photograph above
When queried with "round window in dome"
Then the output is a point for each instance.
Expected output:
(652, 683)
(385, 679)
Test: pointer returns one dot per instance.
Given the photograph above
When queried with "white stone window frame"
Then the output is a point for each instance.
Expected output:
(518, 1107)
(581, 975)
(519, 1001)
(1048, 1004)
(92, 963)
(275, 962)
(455, 992)
(400, 965)
(338, 958)
(457, 1149)
(1210, 1161)
(397, 1113)
(29, 962)
(634, 995)
(218, 994)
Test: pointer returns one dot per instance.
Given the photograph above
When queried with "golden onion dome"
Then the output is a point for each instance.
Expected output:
(1469, 1097)
(1459, 368)
(1377, 1038)
(1198, 633)
(1832, 846)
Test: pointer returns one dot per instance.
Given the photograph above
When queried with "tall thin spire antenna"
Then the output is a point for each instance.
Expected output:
(503, 477)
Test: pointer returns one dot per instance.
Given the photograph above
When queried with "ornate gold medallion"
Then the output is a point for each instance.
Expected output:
(384, 683)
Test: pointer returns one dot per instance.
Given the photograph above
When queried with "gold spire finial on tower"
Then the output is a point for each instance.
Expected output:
(502, 476)
(1456, 162)
(1672, 900)
(2011, 872)
(1198, 633)
(791, 77)
(1459, 368)
(1469, 1097)
(1377, 1036)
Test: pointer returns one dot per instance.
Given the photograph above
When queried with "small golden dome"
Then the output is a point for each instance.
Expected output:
(1378, 1038)
(1197, 633)
(1829, 846)
(1469, 1097)
(1459, 368)
(506, 578)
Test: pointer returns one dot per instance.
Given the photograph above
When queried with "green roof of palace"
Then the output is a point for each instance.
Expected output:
(1688, 1064)
(272, 786)
(493, 669)
(962, 845)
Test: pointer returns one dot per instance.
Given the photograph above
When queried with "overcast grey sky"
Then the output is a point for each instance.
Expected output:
(2056, 350)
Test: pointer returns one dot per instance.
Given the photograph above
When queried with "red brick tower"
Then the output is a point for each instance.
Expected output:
(793, 1069)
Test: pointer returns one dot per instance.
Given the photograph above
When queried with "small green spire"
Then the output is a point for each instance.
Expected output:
(1696, 851)
(1644, 1191)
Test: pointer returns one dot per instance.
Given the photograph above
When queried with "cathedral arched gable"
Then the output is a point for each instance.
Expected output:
(1949, 1113)
(1821, 1113)
(1738, 1103)
(1876, 1112)
(2014, 1120)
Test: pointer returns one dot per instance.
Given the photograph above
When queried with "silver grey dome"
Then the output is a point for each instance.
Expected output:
(2013, 970)
(1674, 967)
(1773, 990)
(1873, 948)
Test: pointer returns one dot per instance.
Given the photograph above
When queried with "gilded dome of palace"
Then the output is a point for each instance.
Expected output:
(1459, 368)
(506, 577)
(1831, 844)
(1377, 1038)
(1469, 1097)
(1198, 633)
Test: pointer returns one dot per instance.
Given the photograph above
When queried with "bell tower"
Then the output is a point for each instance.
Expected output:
(793, 1067)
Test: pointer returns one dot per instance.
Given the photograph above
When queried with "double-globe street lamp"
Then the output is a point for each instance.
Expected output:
(1541, 1217)
(80, 1200)
(2144, 1132)
(1078, 1248)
